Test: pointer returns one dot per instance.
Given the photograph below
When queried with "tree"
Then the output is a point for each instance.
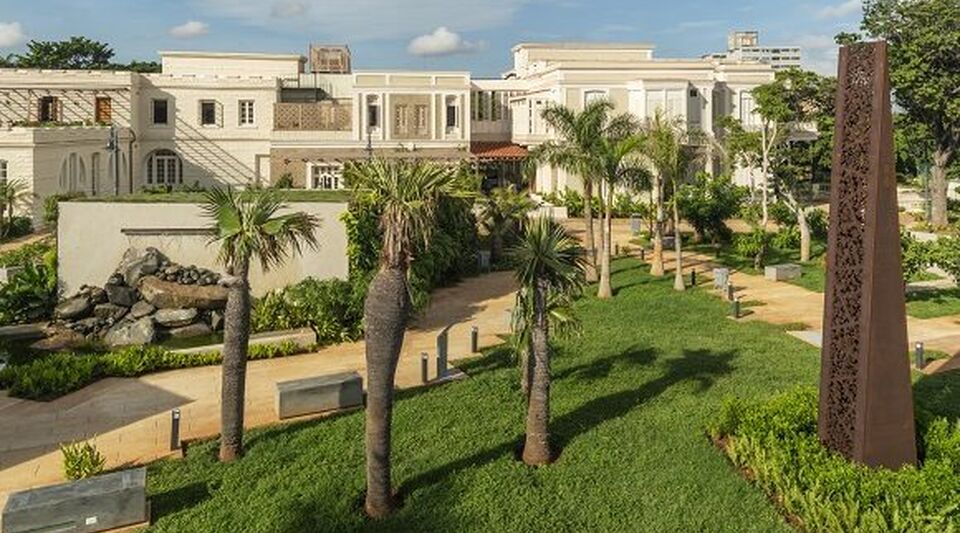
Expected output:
(923, 41)
(247, 227)
(79, 53)
(13, 194)
(671, 150)
(707, 202)
(573, 151)
(548, 262)
(407, 195)
(502, 214)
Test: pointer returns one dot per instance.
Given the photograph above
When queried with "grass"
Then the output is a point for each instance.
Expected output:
(289, 195)
(932, 304)
(630, 401)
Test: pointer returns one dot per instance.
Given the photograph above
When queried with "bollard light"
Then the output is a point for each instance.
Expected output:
(175, 429)
(643, 254)
(736, 308)
(616, 249)
(424, 367)
(474, 339)
(693, 277)
(730, 291)
(920, 359)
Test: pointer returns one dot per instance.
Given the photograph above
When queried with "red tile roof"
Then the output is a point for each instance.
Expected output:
(498, 150)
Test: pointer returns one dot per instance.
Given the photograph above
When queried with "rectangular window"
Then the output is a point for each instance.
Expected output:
(373, 115)
(452, 119)
(103, 110)
(49, 109)
(3, 170)
(421, 117)
(326, 176)
(160, 112)
(208, 113)
(592, 96)
(246, 113)
(400, 119)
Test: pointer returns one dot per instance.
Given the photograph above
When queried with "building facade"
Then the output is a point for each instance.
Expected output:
(243, 119)
(745, 46)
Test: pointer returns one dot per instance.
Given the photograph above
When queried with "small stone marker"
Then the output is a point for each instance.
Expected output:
(98, 503)
(721, 276)
(318, 394)
(474, 339)
(782, 272)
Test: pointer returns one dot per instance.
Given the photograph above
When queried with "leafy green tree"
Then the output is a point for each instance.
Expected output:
(923, 38)
(247, 227)
(549, 261)
(707, 202)
(502, 214)
(407, 195)
(738, 147)
(79, 53)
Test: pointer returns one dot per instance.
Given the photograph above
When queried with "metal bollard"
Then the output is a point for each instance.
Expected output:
(920, 359)
(474, 339)
(730, 291)
(693, 277)
(643, 254)
(616, 249)
(424, 367)
(175, 429)
(736, 308)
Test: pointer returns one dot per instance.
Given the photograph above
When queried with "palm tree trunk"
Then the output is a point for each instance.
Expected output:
(605, 290)
(385, 316)
(236, 336)
(938, 187)
(804, 233)
(588, 241)
(656, 264)
(536, 449)
(678, 283)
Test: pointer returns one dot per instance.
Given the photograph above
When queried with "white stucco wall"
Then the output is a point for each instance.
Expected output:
(91, 241)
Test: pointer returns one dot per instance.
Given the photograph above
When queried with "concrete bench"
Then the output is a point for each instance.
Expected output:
(721, 276)
(782, 272)
(318, 394)
(99, 503)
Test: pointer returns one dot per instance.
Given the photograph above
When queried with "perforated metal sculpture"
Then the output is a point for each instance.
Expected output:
(866, 403)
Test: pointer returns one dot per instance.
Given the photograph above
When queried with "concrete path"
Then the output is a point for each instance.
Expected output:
(129, 419)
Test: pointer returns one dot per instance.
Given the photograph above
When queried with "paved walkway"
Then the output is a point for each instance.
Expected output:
(129, 419)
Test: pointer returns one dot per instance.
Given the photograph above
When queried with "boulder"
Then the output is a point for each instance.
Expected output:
(136, 264)
(168, 295)
(121, 295)
(175, 318)
(109, 311)
(59, 339)
(216, 320)
(193, 330)
(127, 333)
(86, 326)
(141, 309)
(76, 307)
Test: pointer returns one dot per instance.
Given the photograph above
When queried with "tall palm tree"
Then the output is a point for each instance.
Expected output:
(407, 195)
(548, 262)
(672, 152)
(573, 151)
(502, 214)
(247, 227)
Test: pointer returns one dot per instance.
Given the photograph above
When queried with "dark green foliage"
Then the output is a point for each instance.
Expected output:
(786, 238)
(51, 206)
(75, 53)
(708, 202)
(49, 376)
(28, 253)
(331, 307)
(32, 292)
(781, 214)
(81, 460)
(776, 440)
(624, 205)
(18, 227)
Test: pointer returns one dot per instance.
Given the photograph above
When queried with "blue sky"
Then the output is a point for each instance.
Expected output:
(442, 34)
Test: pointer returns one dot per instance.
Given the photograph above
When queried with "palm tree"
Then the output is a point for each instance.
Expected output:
(562, 322)
(13, 193)
(407, 195)
(548, 262)
(247, 227)
(573, 152)
(670, 150)
(502, 214)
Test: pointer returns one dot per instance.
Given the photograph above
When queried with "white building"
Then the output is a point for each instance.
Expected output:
(745, 46)
(244, 118)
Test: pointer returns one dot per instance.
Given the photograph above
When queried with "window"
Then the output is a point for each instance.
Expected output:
(208, 113)
(325, 176)
(373, 112)
(401, 121)
(103, 110)
(73, 174)
(694, 93)
(49, 109)
(3, 170)
(592, 96)
(452, 114)
(421, 117)
(160, 112)
(246, 112)
(164, 167)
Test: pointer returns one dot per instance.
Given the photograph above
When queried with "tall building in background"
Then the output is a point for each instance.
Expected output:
(745, 46)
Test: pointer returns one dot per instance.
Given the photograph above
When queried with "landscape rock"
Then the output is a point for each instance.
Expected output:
(121, 295)
(141, 309)
(216, 320)
(169, 295)
(175, 318)
(128, 333)
(136, 264)
(73, 308)
(109, 311)
(193, 330)
(59, 339)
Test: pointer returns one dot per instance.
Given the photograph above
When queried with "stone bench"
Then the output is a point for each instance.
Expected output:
(99, 503)
(782, 272)
(318, 394)
(721, 276)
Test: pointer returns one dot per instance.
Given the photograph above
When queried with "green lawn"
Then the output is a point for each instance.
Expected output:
(631, 399)
(931, 304)
(813, 277)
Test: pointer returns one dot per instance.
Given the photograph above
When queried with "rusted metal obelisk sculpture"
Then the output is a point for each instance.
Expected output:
(866, 402)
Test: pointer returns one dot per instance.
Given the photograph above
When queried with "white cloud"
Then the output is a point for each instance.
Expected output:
(191, 28)
(815, 42)
(441, 42)
(364, 20)
(11, 33)
(289, 9)
(840, 10)
(819, 53)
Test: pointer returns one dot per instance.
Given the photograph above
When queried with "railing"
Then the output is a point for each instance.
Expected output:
(329, 115)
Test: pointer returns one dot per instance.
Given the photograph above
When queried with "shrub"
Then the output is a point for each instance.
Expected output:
(817, 220)
(945, 253)
(781, 213)
(51, 206)
(31, 294)
(776, 440)
(33, 252)
(708, 202)
(916, 256)
(285, 181)
(330, 307)
(81, 460)
(18, 227)
(786, 238)
(753, 244)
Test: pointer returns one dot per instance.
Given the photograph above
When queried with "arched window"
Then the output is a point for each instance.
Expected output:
(164, 167)
(73, 174)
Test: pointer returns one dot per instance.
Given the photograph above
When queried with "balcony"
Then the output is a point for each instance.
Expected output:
(328, 115)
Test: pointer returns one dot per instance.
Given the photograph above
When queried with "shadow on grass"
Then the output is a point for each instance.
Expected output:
(600, 368)
(939, 394)
(178, 499)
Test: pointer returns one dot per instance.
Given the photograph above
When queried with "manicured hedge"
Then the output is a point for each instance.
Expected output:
(53, 375)
(775, 443)
(333, 308)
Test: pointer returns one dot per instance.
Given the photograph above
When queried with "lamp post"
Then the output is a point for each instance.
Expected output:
(113, 146)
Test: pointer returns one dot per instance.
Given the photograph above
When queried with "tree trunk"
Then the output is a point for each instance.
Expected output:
(605, 290)
(938, 187)
(536, 449)
(385, 315)
(656, 264)
(678, 283)
(804, 233)
(588, 241)
(236, 336)
(526, 371)
(764, 178)
(496, 246)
